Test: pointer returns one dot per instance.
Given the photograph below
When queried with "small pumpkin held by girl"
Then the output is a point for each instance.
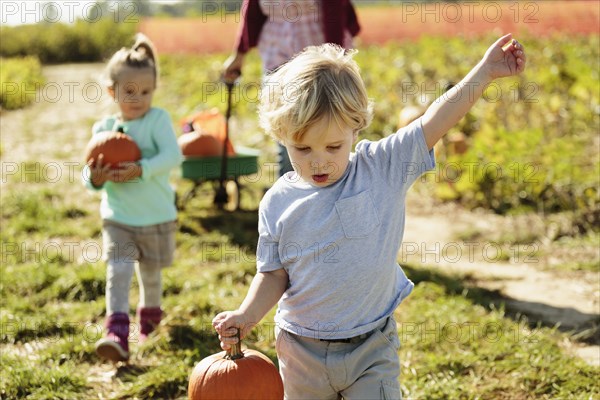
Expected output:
(138, 204)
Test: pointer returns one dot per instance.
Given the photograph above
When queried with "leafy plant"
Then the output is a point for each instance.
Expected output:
(20, 78)
(82, 41)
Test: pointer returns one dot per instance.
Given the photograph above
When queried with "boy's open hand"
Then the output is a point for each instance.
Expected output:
(506, 57)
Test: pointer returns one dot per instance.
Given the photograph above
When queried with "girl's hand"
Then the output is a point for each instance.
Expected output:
(125, 172)
(99, 172)
(227, 325)
(506, 57)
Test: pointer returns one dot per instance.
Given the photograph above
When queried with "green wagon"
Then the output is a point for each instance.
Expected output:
(203, 169)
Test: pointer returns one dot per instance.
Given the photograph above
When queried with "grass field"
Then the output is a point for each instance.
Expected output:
(456, 345)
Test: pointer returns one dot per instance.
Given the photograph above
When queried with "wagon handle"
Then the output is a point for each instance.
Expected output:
(236, 73)
(221, 195)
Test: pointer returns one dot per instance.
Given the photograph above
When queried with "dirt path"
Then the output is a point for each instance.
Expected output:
(570, 300)
(58, 127)
(58, 124)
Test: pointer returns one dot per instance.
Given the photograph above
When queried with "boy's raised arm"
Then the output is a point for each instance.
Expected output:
(506, 57)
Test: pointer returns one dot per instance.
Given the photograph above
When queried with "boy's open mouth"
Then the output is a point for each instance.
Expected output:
(320, 178)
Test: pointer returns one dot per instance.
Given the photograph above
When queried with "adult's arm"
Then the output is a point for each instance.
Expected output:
(251, 25)
(338, 16)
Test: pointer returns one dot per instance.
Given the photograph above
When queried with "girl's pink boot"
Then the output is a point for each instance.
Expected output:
(149, 318)
(114, 345)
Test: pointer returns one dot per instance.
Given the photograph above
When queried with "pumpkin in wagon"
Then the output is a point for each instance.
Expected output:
(199, 144)
(235, 374)
(116, 147)
(204, 135)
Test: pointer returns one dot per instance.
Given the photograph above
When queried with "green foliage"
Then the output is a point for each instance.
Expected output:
(27, 378)
(24, 48)
(526, 171)
(82, 41)
(534, 146)
(84, 283)
(166, 381)
(35, 211)
(40, 276)
(532, 140)
(20, 78)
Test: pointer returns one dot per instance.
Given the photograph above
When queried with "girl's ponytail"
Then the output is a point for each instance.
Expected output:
(141, 55)
(143, 44)
(145, 49)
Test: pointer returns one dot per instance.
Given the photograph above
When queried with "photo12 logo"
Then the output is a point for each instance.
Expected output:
(53, 92)
(33, 12)
(470, 11)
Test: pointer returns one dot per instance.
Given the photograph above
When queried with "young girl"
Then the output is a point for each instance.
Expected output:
(138, 204)
(329, 232)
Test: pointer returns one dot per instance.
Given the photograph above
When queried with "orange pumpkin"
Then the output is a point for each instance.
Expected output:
(204, 135)
(199, 144)
(116, 147)
(235, 374)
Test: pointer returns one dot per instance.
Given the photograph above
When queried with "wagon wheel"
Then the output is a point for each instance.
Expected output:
(232, 190)
(233, 195)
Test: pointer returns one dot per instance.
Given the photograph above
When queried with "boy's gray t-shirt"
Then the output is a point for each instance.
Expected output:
(339, 244)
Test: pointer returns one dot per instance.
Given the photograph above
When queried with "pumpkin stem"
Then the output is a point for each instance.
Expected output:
(235, 351)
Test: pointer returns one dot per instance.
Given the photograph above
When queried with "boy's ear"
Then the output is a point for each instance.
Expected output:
(111, 91)
(354, 137)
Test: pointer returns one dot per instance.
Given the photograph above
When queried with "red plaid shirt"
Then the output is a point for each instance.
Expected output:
(283, 28)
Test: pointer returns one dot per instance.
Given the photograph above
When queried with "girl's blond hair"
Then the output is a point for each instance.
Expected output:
(141, 55)
(322, 81)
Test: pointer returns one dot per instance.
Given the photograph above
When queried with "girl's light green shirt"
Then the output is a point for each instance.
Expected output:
(150, 199)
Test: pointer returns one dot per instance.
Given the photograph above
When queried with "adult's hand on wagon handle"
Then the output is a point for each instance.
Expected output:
(232, 68)
(228, 323)
(230, 79)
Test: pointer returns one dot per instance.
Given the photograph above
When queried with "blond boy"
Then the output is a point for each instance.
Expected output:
(329, 231)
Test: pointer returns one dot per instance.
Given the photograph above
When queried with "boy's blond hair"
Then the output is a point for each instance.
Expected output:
(322, 81)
